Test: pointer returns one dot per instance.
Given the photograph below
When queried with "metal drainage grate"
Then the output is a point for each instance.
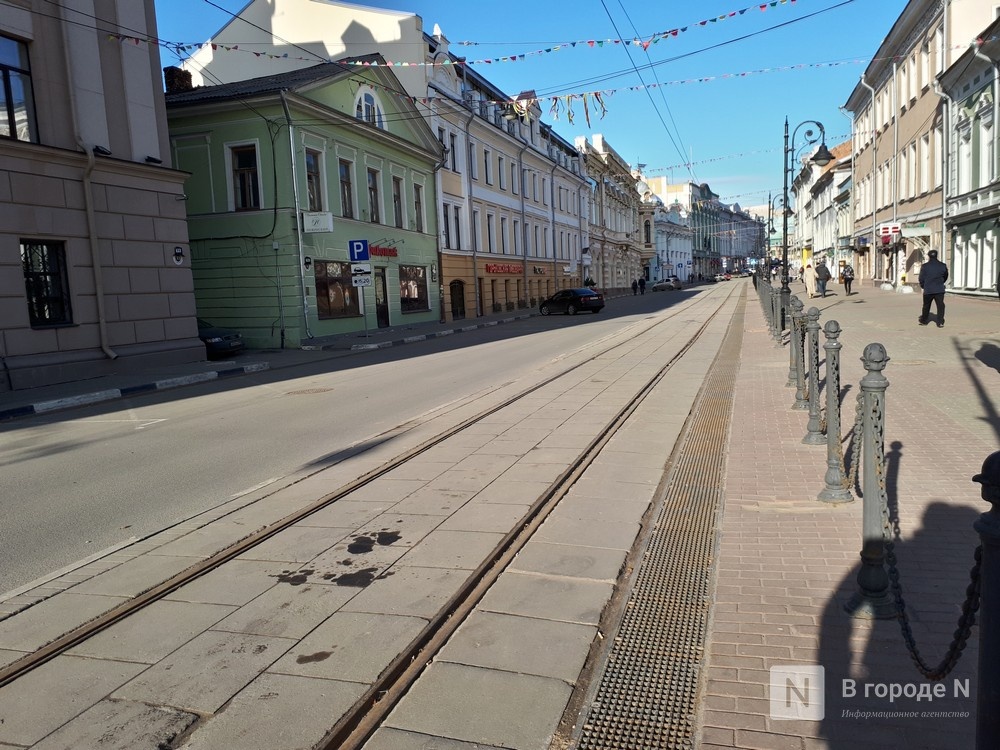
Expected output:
(647, 694)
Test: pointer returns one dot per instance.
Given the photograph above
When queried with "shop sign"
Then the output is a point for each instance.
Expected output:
(384, 252)
(504, 268)
(538, 270)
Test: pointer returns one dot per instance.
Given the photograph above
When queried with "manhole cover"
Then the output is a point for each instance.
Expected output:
(308, 391)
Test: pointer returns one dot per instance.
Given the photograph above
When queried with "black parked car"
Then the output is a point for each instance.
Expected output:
(219, 341)
(572, 301)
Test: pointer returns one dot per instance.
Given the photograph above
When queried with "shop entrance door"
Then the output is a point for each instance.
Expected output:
(381, 301)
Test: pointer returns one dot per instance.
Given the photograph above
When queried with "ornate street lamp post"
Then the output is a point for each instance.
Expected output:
(821, 158)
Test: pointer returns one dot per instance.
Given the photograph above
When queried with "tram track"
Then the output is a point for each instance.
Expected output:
(358, 724)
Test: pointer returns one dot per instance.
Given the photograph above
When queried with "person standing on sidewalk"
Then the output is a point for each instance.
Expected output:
(933, 275)
(848, 276)
(809, 276)
(642, 285)
(823, 275)
(635, 286)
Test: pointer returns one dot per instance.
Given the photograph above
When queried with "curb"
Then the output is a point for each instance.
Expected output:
(83, 399)
(426, 336)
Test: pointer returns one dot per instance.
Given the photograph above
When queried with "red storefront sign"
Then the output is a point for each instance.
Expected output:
(385, 252)
(504, 268)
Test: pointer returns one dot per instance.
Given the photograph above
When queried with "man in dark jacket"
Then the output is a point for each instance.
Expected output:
(823, 275)
(933, 275)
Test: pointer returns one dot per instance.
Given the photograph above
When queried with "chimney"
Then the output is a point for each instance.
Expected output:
(176, 80)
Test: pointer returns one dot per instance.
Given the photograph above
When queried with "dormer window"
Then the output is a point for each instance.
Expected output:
(368, 108)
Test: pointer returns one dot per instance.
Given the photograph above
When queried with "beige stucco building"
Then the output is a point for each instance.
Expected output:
(94, 266)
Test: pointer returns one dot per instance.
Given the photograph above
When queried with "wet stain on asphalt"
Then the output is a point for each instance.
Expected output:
(366, 542)
(310, 658)
(295, 577)
(357, 579)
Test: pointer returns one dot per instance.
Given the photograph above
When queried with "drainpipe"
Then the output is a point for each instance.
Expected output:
(871, 247)
(298, 233)
(945, 166)
(88, 200)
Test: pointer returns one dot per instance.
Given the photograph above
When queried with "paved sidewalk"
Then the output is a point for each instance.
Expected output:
(788, 563)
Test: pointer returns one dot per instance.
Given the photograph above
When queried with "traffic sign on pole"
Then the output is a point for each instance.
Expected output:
(361, 279)
(358, 250)
(358, 268)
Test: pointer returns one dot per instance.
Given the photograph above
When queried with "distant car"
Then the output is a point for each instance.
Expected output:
(572, 301)
(720, 277)
(219, 342)
(671, 282)
(728, 276)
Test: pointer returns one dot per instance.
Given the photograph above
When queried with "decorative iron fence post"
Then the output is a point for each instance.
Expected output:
(792, 322)
(873, 599)
(814, 427)
(835, 491)
(797, 341)
(775, 315)
(988, 526)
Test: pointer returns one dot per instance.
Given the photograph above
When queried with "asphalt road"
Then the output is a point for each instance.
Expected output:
(75, 483)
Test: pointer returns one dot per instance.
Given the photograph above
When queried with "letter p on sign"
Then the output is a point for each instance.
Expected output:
(797, 692)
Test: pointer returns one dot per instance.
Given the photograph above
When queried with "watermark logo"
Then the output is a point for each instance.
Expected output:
(797, 692)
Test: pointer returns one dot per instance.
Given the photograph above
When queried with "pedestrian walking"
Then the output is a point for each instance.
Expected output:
(642, 285)
(933, 275)
(809, 276)
(635, 286)
(823, 275)
(848, 276)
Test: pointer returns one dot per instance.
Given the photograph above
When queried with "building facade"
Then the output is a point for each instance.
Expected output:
(510, 192)
(95, 275)
(279, 218)
(615, 248)
(899, 137)
(972, 203)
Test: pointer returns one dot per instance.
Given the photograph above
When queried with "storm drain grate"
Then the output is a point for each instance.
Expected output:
(647, 693)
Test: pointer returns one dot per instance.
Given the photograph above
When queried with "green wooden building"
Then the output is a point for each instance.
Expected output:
(288, 173)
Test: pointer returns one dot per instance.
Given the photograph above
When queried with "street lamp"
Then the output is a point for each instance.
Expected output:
(821, 158)
(771, 209)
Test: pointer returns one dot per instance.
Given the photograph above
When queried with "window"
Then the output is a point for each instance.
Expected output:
(473, 162)
(17, 115)
(397, 201)
(446, 224)
(490, 225)
(938, 143)
(45, 283)
(487, 172)
(925, 165)
(647, 232)
(314, 184)
(335, 297)
(513, 178)
(545, 192)
(458, 227)
(454, 153)
(413, 289)
(368, 109)
(346, 190)
(418, 207)
(502, 172)
(517, 238)
(374, 215)
(246, 185)
(911, 174)
(503, 235)
(986, 151)
(476, 229)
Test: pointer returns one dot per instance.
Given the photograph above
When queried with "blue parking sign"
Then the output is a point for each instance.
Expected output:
(358, 250)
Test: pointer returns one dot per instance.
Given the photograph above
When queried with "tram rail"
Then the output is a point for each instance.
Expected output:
(352, 730)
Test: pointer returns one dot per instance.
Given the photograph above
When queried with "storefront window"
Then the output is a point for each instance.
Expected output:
(335, 295)
(413, 289)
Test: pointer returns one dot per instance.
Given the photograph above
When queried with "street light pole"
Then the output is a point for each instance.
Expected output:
(821, 158)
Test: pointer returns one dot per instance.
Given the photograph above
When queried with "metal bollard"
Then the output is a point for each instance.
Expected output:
(797, 341)
(835, 491)
(775, 311)
(814, 427)
(988, 526)
(790, 383)
(873, 599)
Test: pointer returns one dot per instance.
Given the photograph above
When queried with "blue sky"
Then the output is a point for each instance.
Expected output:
(801, 59)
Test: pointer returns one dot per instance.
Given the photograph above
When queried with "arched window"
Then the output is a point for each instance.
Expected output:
(368, 108)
